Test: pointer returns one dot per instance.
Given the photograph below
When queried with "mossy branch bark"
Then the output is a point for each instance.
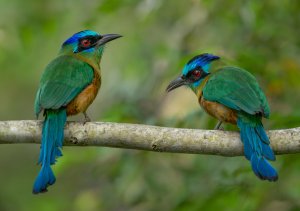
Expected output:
(146, 137)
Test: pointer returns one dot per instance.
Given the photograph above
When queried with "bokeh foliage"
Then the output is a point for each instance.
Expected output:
(159, 37)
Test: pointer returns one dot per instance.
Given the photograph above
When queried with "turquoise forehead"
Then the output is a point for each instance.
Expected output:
(189, 66)
(202, 60)
(79, 35)
(196, 63)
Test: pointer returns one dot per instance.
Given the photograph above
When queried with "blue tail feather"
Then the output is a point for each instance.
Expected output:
(257, 150)
(254, 162)
(247, 146)
(45, 177)
(266, 170)
(262, 134)
(268, 152)
(52, 141)
(61, 119)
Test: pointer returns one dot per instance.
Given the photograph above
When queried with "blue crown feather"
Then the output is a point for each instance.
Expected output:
(202, 60)
(78, 35)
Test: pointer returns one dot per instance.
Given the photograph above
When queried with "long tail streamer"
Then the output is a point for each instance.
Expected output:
(52, 141)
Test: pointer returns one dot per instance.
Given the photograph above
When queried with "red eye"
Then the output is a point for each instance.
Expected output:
(196, 73)
(85, 43)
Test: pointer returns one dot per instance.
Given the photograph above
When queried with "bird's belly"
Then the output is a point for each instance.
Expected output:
(83, 100)
(218, 111)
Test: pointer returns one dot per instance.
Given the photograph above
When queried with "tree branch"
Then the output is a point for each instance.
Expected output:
(146, 137)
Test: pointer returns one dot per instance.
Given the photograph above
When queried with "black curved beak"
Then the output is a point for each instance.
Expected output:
(176, 83)
(107, 38)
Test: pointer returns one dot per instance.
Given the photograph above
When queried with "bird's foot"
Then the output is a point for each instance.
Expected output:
(86, 118)
(219, 126)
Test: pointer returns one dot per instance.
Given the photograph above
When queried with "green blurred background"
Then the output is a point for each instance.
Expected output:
(159, 37)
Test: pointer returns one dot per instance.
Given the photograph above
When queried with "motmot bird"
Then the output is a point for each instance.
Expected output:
(232, 95)
(69, 84)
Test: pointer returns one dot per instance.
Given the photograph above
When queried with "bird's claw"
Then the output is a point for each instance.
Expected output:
(219, 126)
(86, 118)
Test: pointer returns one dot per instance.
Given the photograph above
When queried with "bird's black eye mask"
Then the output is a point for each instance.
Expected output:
(195, 74)
(87, 42)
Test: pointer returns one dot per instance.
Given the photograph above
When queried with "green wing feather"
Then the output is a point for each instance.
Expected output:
(236, 89)
(63, 79)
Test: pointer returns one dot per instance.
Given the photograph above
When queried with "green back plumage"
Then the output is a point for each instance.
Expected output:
(63, 79)
(238, 90)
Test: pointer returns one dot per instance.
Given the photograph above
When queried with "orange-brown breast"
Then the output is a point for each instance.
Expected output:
(215, 109)
(218, 111)
(83, 100)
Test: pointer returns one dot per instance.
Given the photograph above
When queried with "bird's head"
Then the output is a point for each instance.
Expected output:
(194, 72)
(87, 42)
